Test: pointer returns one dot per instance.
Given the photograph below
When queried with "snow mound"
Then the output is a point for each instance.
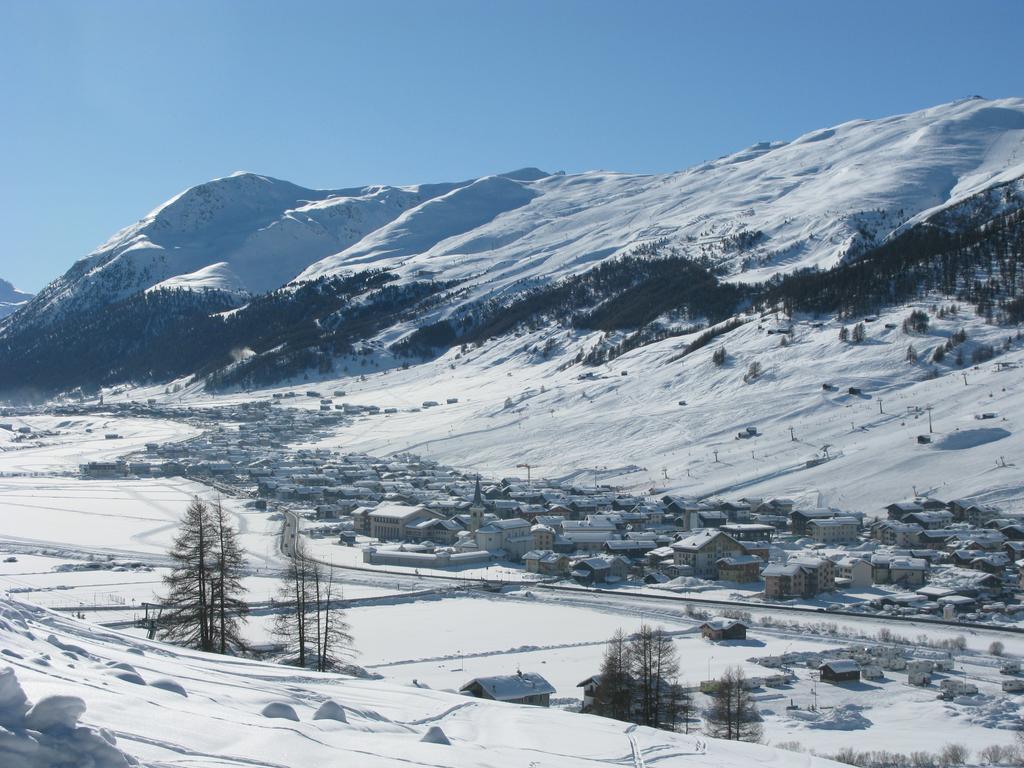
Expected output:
(167, 684)
(48, 734)
(435, 735)
(331, 710)
(971, 438)
(13, 701)
(55, 713)
(280, 710)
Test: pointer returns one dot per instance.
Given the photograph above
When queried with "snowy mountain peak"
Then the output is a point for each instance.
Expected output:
(11, 299)
(828, 195)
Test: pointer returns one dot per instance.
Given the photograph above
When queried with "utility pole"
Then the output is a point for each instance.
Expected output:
(528, 468)
(716, 456)
(792, 437)
(965, 378)
(929, 409)
(880, 406)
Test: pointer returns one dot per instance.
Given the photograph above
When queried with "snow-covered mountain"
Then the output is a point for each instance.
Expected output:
(772, 207)
(11, 299)
(450, 253)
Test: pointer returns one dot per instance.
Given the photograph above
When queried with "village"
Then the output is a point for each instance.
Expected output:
(951, 560)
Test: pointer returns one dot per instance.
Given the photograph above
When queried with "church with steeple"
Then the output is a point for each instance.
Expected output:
(476, 511)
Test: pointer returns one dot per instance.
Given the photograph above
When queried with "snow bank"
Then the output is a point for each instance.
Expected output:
(47, 735)
(435, 735)
(278, 709)
(331, 710)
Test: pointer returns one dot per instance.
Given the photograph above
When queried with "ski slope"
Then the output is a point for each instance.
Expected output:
(626, 427)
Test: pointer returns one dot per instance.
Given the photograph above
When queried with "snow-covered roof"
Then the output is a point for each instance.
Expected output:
(511, 687)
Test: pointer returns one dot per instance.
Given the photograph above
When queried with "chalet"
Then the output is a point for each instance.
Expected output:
(840, 671)
(1013, 532)
(799, 577)
(591, 688)
(900, 509)
(896, 534)
(740, 568)
(543, 536)
(546, 562)
(600, 570)
(702, 551)
(520, 688)
(855, 571)
(718, 629)
(799, 518)
(749, 531)
(833, 530)
(930, 520)
(630, 548)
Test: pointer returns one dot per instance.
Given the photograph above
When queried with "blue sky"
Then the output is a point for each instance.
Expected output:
(112, 107)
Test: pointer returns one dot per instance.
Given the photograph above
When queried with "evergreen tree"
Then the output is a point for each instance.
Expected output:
(187, 613)
(614, 693)
(732, 714)
(844, 334)
(859, 334)
(653, 667)
(228, 609)
(204, 607)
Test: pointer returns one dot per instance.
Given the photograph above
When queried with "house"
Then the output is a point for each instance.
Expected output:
(723, 629)
(702, 551)
(900, 509)
(543, 536)
(840, 671)
(600, 570)
(740, 568)
(834, 530)
(749, 531)
(520, 688)
(930, 520)
(799, 518)
(591, 687)
(799, 577)
(856, 571)
(546, 562)
(896, 534)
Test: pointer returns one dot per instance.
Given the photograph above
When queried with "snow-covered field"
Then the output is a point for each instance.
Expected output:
(60, 444)
(159, 704)
(563, 638)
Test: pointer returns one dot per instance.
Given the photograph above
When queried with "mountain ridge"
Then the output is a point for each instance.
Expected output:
(453, 254)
